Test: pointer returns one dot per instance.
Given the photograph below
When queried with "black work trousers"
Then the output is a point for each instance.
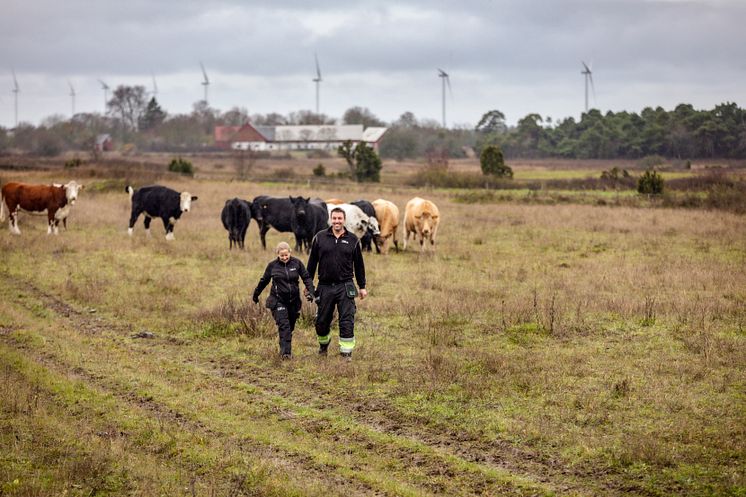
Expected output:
(331, 297)
(285, 317)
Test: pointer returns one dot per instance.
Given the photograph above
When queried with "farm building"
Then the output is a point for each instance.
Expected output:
(298, 137)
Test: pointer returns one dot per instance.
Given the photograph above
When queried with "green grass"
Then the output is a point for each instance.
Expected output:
(568, 348)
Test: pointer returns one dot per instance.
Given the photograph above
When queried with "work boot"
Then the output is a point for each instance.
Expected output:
(323, 348)
(346, 355)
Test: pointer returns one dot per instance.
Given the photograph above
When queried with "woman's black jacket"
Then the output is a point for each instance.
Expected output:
(284, 277)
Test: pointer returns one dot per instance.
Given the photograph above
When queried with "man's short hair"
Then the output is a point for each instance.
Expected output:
(338, 209)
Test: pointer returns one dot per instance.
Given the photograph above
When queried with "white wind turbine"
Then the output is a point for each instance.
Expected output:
(318, 81)
(155, 87)
(16, 90)
(205, 81)
(105, 87)
(445, 80)
(588, 77)
(72, 96)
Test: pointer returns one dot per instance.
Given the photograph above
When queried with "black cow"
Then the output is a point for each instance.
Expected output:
(275, 213)
(236, 216)
(309, 217)
(367, 240)
(158, 201)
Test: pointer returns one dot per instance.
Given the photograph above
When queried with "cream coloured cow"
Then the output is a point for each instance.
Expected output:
(388, 222)
(421, 217)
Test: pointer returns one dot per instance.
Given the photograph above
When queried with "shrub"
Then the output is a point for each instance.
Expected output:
(650, 183)
(651, 161)
(493, 162)
(182, 166)
(364, 163)
(73, 163)
(319, 170)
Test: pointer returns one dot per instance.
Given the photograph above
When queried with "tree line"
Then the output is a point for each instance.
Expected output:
(134, 119)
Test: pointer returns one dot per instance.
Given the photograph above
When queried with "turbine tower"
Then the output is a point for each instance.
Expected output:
(105, 87)
(317, 80)
(445, 80)
(16, 90)
(588, 77)
(72, 96)
(205, 81)
(155, 86)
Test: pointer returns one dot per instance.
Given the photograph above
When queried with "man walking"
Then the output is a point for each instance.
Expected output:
(338, 255)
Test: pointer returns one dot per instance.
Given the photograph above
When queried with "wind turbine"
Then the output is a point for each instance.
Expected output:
(155, 86)
(317, 80)
(105, 87)
(588, 77)
(72, 96)
(445, 80)
(16, 90)
(206, 81)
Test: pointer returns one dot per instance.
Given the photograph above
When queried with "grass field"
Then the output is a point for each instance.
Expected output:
(541, 350)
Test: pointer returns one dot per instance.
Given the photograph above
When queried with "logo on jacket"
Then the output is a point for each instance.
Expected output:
(345, 241)
(293, 269)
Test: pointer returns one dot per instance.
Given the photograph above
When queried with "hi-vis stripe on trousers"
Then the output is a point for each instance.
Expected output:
(331, 297)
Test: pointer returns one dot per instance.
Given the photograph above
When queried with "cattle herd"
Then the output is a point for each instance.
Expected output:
(375, 223)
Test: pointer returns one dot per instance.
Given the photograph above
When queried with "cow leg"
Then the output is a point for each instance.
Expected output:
(263, 235)
(298, 243)
(169, 228)
(146, 222)
(406, 238)
(133, 219)
(13, 217)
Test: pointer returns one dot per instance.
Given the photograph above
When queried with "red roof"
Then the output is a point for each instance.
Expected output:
(248, 133)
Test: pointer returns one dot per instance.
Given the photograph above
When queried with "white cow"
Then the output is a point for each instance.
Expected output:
(356, 221)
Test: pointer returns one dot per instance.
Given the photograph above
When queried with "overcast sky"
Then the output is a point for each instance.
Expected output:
(516, 56)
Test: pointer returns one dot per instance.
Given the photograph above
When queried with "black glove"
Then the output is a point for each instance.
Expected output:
(255, 298)
(309, 296)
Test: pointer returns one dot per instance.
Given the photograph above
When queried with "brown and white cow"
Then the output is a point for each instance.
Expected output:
(55, 199)
(387, 214)
(421, 217)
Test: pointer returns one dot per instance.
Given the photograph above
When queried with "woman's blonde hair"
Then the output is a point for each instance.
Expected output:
(282, 246)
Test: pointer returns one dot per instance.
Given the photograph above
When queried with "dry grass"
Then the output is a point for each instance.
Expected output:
(605, 339)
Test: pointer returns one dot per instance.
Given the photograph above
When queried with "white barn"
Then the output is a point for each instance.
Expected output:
(304, 137)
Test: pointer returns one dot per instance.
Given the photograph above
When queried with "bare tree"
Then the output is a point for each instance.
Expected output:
(128, 103)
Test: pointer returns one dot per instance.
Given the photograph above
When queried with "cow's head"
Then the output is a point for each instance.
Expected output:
(300, 207)
(256, 211)
(427, 222)
(185, 201)
(373, 227)
(71, 191)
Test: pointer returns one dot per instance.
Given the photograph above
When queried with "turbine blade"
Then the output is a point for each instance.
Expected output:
(204, 73)
(15, 81)
(448, 82)
(585, 67)
(104, 86)
(318, 69)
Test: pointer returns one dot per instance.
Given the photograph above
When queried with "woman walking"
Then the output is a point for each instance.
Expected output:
(284, 297)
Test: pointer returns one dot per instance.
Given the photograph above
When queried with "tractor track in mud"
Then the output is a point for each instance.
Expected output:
(374, 414)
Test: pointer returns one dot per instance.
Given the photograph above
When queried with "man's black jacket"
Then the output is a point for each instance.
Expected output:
(336, 258)
(284, 278)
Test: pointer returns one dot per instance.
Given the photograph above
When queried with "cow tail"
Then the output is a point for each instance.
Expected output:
(129, 190)
(2, 207)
